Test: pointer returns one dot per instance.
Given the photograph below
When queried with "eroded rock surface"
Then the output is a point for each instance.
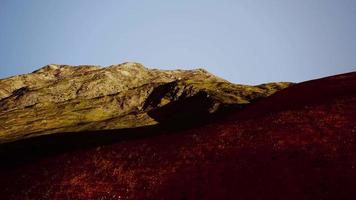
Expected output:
(62, 98)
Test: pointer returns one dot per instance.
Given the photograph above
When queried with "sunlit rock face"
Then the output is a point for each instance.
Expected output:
(62, 98)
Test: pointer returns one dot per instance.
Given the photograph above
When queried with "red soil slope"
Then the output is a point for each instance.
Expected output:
(297, 144)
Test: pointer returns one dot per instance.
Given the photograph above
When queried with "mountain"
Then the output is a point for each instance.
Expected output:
(299, 143)
(62, 98)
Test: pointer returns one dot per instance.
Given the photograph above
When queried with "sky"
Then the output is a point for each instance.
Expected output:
(243, 41)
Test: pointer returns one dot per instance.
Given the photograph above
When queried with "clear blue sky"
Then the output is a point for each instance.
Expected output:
(244, 41)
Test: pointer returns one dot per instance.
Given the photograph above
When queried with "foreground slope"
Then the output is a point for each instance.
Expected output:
(299, 143)
(62, 98)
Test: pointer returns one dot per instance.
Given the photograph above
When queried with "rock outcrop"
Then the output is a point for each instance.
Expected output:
(62, 98)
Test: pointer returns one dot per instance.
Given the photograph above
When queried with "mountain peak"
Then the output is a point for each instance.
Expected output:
(48, 68)
(129, 65)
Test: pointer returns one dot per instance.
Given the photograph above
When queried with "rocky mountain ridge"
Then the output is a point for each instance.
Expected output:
(63, 98)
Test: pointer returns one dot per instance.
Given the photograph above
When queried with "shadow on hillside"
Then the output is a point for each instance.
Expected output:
(192, 115)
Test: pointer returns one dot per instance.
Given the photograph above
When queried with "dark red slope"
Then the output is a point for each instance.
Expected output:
(297, 144)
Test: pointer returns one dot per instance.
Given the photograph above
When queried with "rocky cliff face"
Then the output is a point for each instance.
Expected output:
(62, 98)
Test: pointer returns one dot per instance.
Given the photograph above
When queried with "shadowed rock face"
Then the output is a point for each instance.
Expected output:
(61, 98)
